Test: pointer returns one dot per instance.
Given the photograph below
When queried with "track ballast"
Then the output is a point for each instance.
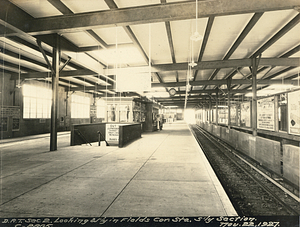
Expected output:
(250, 193)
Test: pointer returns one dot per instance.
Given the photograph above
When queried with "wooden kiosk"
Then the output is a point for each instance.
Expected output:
(125, 119)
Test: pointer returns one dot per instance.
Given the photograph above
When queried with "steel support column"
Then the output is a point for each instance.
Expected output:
(217, 103)
(228, 96)
(276, 115)
(54, 107)
(254, 97)
(210, 111)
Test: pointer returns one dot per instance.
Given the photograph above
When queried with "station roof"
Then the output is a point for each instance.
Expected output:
(100, 37)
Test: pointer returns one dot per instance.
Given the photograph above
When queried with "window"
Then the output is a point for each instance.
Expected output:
(36, 101)
(80, 106)
(101, 108)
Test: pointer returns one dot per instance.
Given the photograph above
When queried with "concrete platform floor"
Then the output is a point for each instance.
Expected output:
(164, 173)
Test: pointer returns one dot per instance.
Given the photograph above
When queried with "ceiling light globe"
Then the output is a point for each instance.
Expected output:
(192, 64)
(196, 37)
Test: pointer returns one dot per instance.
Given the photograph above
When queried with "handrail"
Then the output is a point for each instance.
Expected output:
(82, 136)
(99, 141)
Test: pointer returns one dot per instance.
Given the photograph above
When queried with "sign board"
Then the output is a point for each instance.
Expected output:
(16, 124)
(266, 114)
(112, 133)
(294, 112)
(245, 114)
(233, 111)
(3, 124)
(10, 111)
(223, 116)
(131, 81)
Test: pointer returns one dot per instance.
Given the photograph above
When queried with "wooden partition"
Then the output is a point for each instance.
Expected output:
(128, 133)
(115, 134)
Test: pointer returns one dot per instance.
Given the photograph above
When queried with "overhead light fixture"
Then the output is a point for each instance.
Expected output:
(193, 64)
(196, 36)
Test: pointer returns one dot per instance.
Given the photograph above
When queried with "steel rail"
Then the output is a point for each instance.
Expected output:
(217, 143)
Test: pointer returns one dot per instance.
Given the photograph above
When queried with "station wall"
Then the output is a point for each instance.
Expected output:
(13, 124)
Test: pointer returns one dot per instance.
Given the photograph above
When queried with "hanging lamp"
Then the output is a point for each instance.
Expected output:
(192, 63)
(196, 36)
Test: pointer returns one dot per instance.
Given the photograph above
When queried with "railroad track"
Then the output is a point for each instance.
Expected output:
(250, 191)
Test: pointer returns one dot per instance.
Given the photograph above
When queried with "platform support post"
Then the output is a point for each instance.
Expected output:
(254, 96)
(217, 108)
(210, 113)
(276, 115)
(228, 97)
(54, 108)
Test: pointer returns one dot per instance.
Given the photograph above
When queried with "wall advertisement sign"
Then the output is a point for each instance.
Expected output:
(127, 81)
(233, 110)
(10, 111)
(266, 114)
(223, 116)
(245, 114)
(294, 112)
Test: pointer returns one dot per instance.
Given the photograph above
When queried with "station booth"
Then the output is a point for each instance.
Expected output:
(125, 118)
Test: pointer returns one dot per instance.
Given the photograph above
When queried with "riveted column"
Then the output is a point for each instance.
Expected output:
(54, 107)
(228, 97)
(254, 97)
(217, 108)
(210, 111)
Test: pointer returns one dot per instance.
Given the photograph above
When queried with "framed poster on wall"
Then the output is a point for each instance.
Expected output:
(266, 114)
(294, 112)
(246, 114)
(3, 124)
(16, 124)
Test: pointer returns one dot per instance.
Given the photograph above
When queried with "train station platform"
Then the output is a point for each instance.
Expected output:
(164, 173)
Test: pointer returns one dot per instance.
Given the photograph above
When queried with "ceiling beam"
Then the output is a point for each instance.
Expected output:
(136, 43)
(66, 11)
(48, 53)
(89, 88)
(66, 73)
(213, 82)
(15, 66)
(13, 15)
(145, 15)
(159, 78)
(294, 50)
(279, 73)
(277, 36)
(170, 39)
(222, 82)
(285, 55)
(22, 57)
(97, 38)
(69, 82)
(214, 91)
(239, 40)
(112, 5)
(190, 97)
(171, 44)
(61, 7)
(204, 42)
(232, 63)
